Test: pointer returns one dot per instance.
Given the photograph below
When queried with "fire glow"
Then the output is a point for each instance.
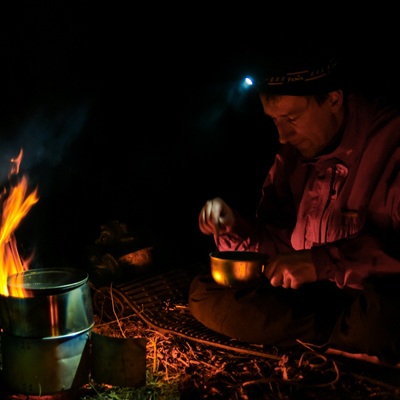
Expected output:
(15, 203)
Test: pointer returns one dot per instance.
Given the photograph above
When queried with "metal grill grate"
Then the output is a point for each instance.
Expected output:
(161, 301)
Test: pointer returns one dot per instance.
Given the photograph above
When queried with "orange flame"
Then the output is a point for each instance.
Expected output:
(15, 204)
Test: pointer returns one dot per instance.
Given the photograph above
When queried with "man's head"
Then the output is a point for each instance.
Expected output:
(304, 97)
(305, 123)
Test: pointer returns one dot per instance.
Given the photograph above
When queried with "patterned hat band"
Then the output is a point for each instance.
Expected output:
(301, 81)
(302, 76)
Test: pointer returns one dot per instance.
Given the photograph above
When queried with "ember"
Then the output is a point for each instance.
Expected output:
(15, 204)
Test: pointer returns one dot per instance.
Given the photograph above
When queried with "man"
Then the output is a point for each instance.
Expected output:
(328, 221)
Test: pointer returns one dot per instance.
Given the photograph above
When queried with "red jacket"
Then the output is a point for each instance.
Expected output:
(344, 206)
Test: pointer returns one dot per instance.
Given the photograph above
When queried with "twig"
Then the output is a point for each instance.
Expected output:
(115, 313)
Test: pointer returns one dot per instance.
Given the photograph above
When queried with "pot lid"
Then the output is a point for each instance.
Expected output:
(48, 278)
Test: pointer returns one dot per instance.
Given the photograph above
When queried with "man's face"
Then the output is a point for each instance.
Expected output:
(304, 123)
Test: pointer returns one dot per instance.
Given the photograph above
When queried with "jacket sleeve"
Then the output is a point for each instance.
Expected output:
(350, 261)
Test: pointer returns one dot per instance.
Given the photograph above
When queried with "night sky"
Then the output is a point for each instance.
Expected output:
(137, 117)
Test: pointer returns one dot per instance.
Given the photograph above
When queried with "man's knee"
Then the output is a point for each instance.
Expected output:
(372, 323)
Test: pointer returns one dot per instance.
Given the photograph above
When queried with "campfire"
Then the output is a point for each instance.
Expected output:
(15, 204)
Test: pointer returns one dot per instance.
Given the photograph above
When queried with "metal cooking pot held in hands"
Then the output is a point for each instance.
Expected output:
(237, 268)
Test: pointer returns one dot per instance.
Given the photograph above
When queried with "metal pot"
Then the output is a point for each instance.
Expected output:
(237, 269)
(59, 304)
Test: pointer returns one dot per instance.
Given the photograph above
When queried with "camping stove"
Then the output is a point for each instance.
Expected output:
(45, 338)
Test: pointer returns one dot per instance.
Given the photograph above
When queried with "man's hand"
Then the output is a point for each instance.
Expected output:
(291, 270)
(216, 217)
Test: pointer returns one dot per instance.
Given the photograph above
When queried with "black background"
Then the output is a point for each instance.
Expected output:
(137, 115)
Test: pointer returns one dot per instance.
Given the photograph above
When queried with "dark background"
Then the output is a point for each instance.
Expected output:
(138, 116)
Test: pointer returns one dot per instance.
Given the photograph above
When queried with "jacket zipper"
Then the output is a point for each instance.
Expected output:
(328, 202)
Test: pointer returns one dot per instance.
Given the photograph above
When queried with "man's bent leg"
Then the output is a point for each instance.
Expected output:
(371, 326)
(266, 314)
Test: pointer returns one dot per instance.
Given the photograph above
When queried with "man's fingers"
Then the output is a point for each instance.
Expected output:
(270, 270)
(287, 282)
(206, 223)
(275, 281)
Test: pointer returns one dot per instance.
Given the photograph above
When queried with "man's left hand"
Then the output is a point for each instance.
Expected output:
(291, 270)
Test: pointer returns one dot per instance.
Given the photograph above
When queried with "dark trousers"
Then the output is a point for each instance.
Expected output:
(320, 313)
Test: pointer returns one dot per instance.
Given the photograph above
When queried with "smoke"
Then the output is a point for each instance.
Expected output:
(45, 134)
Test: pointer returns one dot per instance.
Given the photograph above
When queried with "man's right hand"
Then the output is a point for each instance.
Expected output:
(216, 217)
